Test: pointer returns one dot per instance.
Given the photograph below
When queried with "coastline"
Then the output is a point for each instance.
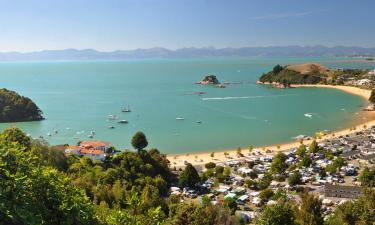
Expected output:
(201, 158)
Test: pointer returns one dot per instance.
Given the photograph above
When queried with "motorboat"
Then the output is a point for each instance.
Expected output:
(112, 117)
(123, 121)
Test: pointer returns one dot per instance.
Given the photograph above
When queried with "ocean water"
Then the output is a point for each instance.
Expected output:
(77, 97)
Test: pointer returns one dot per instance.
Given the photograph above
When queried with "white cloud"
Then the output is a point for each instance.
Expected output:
(287, 15)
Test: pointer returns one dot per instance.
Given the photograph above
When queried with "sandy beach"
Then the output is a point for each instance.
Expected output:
(201, 158)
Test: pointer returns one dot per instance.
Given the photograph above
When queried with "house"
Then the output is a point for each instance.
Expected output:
(96, 150)
(73, 149)
(341, 191)
(96, 145)
(93, 154)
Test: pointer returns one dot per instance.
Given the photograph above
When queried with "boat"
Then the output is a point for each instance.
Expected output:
(180, 118)
(90, 136)
(112, 117)
(49, 134)
(308, 115)
(126, 109)
(111, 127)
(199, 122)
(123, 121)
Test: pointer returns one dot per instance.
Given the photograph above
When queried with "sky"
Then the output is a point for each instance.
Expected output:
(108, 25)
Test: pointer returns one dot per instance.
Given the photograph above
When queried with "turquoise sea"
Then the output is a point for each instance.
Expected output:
(80, 96)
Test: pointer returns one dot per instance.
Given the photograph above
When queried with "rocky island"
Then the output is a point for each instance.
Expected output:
(17, 108)
(211, 80)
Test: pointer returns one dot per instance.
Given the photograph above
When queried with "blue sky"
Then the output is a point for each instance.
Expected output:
(29, 25)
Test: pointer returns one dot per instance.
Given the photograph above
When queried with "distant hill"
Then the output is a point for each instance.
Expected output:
(276, 51)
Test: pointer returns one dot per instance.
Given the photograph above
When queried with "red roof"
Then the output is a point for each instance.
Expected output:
(74, 147)
(94, 144)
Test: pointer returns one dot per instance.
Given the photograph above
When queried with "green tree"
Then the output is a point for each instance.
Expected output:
(277, 69)
(301, 151)
(306, 161)
(210, 165)
(310, 210)
(231, 204)
(295, 178)
(251, 148)
(313, 148)
(139, 141)
(266, 194)
(16, 135)
(367, 177)
(278, 163)
(189, 177)
(278, 214)
(31, 193)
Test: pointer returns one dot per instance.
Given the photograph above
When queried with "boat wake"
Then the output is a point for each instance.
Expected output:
(244, 97)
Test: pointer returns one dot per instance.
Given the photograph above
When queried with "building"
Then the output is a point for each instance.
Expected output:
(341, 191)
(95, 150)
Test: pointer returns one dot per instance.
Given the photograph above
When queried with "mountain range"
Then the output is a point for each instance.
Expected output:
(208, 52)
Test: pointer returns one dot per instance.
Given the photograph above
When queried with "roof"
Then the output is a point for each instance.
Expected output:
(94, 144)
(342, 188)
(73, 147)
(243, 197)
(230, 195)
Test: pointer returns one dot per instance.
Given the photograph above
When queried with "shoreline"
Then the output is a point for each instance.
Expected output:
(201, 158)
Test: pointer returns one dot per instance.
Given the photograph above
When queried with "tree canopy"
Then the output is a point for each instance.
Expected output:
(139, 141)
(189, 177)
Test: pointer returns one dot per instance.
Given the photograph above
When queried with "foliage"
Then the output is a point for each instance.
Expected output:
(301, 151)
(313, 148)
(358, 212)
(210, 79)
(278, 163)
(31, 193)
(283, 75)
(265, 181)
(367, 177)
(295, 178)
(310, 210)
(231, 204)
(195, 214)
(16, 135)
(276, 215)
(139, 141)
(189, 177)
(277, 69)
(306, 161)
(266, 194)
(17, 108)
(210, 165)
